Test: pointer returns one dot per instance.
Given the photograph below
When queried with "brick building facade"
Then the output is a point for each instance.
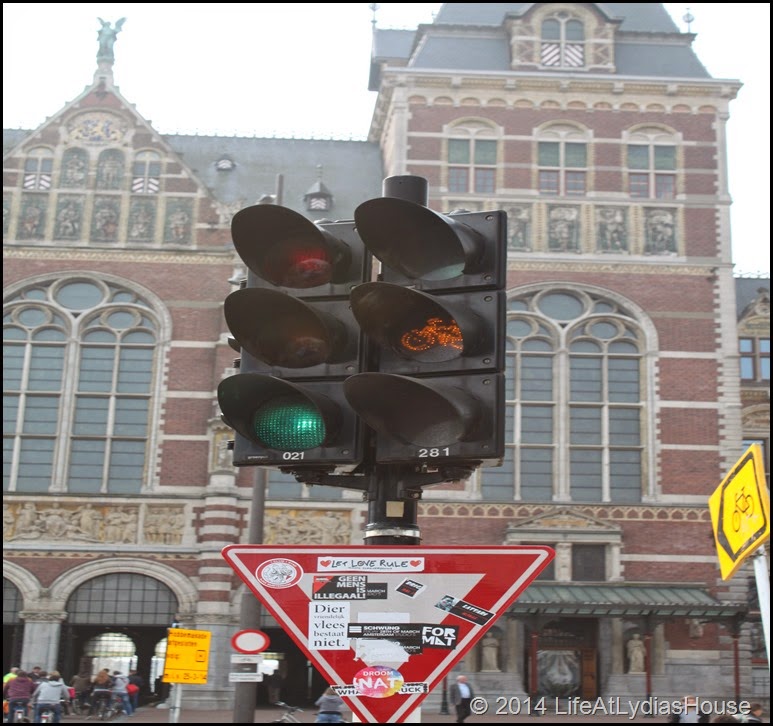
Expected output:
(599, 132)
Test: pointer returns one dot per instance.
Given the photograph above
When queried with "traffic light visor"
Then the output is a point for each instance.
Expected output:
(416, 241)
(277, 414)
(286, 249)
(283, 331)
(416, 326)
(413, 411)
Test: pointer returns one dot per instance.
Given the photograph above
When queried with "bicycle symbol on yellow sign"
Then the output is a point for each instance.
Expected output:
(740, 512)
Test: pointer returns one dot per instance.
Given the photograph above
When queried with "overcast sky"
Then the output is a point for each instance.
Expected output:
(301, 69)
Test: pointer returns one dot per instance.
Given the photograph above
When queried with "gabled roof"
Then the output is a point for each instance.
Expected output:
(637, 17)
(473, 37)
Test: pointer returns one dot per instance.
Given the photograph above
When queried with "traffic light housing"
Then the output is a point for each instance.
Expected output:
(437, 317)
(298, 339)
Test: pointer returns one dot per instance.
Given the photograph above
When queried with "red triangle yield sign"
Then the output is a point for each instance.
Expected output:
(385, 624)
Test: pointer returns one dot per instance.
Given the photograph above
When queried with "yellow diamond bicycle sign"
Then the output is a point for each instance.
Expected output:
(740, 512)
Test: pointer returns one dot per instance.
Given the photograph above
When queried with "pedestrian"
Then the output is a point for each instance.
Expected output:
(274, 686)
(101, 690)
(137, 681)
(755, 713)
(461, 694)
(120, 689)
(50, 693)
(18, 690)
(329, 705)
(81, 683)
(689, 712)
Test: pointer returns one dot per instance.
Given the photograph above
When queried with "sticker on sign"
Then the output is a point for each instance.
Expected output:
(384, 625)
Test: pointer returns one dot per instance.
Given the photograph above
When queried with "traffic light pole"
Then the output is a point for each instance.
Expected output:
(392, 510)
(393, 505)
(246, 694)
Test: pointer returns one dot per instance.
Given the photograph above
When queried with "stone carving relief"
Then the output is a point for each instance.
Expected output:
(660, 232)
(164, 525)
(69, 214)
(38, 521)
(303, 526)
(611, 229)
(104, 224)
(519, 227)
(32, 219)
(563, 229)
(142, 220)
(178, 225)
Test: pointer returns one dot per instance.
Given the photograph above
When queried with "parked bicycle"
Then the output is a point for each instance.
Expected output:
(288, 715)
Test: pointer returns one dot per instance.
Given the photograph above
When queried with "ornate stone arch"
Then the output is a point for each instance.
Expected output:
(183, 588)
(29, 586)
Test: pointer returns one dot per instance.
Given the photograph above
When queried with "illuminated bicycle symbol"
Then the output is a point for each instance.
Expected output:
(744, 505)
(434, 333)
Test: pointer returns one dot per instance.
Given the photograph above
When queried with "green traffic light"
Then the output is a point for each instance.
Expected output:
(289, 424)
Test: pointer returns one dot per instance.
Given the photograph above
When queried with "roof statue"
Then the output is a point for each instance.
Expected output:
(107, 35)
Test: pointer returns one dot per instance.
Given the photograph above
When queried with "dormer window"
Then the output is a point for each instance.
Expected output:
(562, 42)
(318, 198)
(225, 164)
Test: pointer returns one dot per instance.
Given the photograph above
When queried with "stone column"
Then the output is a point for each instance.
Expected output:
(617, 665)
(42, 631)
(658, 664)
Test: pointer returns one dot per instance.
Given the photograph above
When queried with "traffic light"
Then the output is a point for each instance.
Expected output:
(298, 339)
(437, 316)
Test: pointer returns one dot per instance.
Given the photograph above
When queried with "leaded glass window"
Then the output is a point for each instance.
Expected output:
(575, 396)
(472, 165)
(80, 361)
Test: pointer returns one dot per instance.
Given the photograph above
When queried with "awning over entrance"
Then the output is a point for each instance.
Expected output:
(622, 599)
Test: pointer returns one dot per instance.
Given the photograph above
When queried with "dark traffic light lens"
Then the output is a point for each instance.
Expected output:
(289, 424)
(300, 265)
(432, 340)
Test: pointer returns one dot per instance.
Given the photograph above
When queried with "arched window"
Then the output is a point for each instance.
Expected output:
(562, 42)
(122, 599)
(79, 365)
(562, 160)
(651, 164)
(38, 167)
(472, 159)
(575, 401)
(146, 173)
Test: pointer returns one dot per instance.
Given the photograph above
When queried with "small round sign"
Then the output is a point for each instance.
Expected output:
(250, 641)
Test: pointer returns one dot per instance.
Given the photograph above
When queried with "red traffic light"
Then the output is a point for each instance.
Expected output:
(288, 250)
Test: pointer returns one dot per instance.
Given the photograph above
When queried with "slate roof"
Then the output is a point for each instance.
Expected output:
(636, 17)
(747, 291)
(472, 36)
(352, 171)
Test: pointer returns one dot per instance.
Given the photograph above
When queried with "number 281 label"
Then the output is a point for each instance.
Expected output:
(433, 453)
